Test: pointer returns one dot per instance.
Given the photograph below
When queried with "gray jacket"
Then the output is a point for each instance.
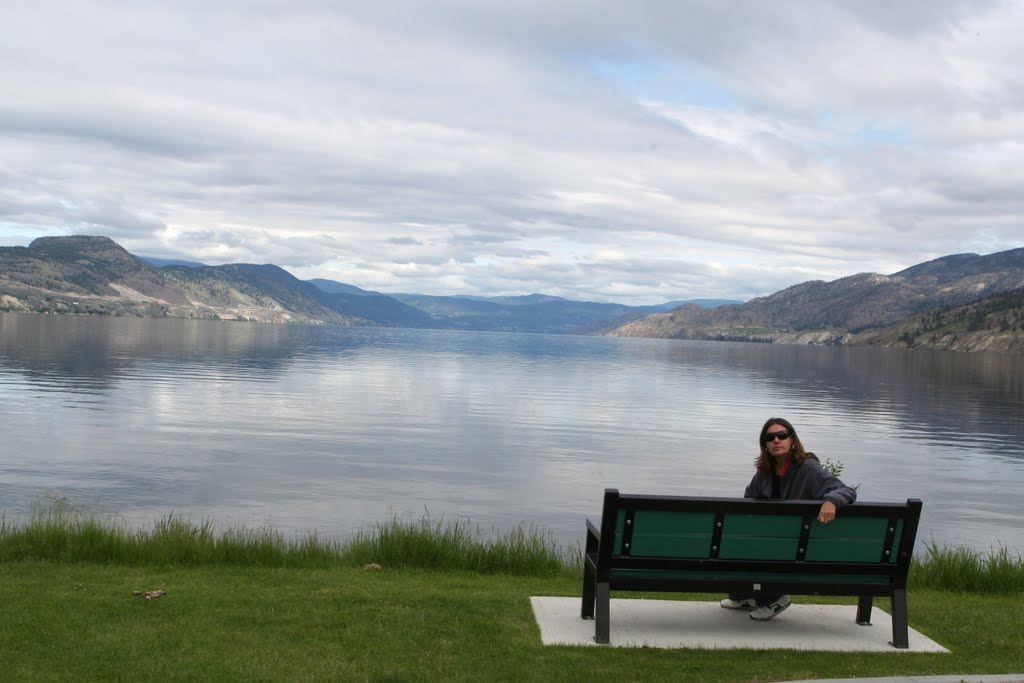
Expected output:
(809, 481)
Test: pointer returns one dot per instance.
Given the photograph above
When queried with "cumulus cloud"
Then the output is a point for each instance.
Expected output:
(595, 150)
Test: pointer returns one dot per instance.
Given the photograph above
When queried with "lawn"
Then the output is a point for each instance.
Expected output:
(449, 603)
(62, 621)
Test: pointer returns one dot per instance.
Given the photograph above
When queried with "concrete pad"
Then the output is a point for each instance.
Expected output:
(705, 625)
(980, 678)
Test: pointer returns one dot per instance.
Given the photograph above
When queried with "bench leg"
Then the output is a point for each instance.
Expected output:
(602, 624)
(864, 610)
(900, 635)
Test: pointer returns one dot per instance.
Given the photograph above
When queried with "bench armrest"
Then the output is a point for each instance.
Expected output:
(592, 545)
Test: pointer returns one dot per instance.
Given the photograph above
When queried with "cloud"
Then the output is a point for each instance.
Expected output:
(594, 150)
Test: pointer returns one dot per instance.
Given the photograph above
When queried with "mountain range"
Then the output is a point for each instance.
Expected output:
(95, 275)
(962, 301)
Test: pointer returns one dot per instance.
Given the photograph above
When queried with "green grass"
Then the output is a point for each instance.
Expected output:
(73, 622)
(964, 570)
(61, 533)
(451, 603)
(457, 546)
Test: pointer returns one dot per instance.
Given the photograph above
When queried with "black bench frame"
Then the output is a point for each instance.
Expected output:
(602, 568)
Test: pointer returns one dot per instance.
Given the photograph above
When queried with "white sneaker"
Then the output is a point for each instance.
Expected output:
(746, 603)
(768, 612)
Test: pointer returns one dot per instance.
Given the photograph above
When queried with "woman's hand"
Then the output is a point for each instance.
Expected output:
(827, 512)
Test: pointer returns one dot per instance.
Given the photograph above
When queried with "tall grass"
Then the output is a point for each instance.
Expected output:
(964, 570)
(456, 545)
(61, 533)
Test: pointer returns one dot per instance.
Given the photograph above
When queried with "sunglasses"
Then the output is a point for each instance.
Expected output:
(781, 436)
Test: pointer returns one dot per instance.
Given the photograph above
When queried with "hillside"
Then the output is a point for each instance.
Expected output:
(995, 323)
(852, 309)
(95, 275)
(264, 293)
(84, 266)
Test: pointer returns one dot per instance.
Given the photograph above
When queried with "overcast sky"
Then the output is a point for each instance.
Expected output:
(635, 152)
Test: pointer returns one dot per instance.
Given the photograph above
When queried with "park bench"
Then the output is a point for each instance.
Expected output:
(740, 545)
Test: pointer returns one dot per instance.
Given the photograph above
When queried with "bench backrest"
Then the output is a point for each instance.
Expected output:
(668, 532)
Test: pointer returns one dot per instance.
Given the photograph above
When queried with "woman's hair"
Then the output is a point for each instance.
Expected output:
(765, 463)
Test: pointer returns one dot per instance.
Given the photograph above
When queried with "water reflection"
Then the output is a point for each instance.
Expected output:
(96, 351)
(332, 429)
(968, 399)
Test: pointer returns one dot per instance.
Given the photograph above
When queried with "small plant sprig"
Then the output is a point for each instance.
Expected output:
(835, 468)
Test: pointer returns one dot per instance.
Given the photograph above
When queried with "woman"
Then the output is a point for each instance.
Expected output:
(785, 471)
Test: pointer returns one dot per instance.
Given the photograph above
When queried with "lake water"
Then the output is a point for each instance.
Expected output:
(332, 429)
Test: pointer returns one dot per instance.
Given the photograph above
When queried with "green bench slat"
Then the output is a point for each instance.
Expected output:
(660, 533)
(848, 540)
(760, 537)
(852, 540)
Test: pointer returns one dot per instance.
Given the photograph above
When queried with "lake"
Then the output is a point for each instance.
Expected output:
(333, 429)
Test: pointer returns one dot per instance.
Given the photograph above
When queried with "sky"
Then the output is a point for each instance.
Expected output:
(634, 152)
